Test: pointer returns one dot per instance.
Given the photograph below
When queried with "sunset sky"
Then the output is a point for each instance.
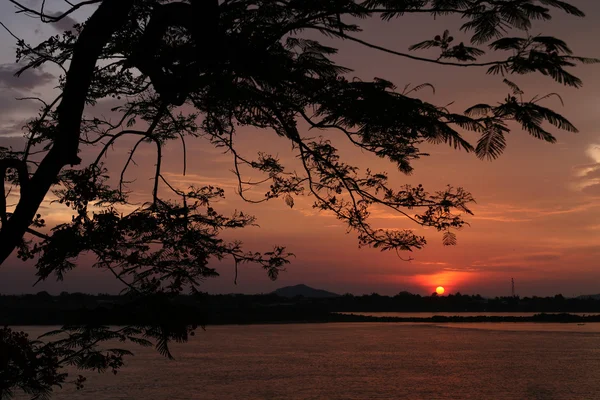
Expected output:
(537, 217)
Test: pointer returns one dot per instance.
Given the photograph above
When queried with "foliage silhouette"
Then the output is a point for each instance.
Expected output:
(155, 56)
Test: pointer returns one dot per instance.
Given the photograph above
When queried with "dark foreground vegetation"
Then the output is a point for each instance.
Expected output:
(78, 308)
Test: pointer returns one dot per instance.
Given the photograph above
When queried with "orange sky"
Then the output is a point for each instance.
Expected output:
(537, 216)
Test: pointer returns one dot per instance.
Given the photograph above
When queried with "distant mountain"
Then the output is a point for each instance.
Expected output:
(303, 290)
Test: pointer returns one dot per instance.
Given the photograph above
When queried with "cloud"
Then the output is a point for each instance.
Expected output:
(378, 212)
(510, 263)
(588, 175)
(500, 218)
(64, 24)
(28, 80)
(517, 259)
(584, 169)
(462, 269)
(592, 172)
(569, 210)
(185, 181)
(14, 113)
(489, 268)
(542, 257)
(511, 213)
(592, 190)
(431, 263)
(11, 128)
(313, 212)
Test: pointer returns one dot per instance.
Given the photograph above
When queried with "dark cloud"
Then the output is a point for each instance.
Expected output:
(64, 24)
(28, 80)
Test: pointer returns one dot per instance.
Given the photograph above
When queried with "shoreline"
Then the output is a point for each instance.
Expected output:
(335, 317)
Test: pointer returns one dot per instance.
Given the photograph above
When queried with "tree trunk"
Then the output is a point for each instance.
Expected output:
(106, 20)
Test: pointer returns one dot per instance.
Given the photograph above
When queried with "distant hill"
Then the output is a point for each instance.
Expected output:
(303, 290)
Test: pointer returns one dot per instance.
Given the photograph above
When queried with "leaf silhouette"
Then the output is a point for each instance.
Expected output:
(289, 200)
(449, 239)
(492, 142)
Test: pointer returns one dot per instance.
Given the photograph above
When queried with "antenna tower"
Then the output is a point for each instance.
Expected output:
(512, 286)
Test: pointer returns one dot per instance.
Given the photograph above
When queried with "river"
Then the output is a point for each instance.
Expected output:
(364, 361)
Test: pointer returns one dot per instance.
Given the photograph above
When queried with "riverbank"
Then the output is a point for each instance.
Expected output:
(345, 318)
(78, 309)
(541, 317)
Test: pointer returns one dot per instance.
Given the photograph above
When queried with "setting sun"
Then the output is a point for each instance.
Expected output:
(439, 290)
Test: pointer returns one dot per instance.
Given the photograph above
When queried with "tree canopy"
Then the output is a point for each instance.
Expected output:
(205, 69)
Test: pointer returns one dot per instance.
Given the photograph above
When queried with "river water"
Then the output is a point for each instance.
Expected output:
(364, 361)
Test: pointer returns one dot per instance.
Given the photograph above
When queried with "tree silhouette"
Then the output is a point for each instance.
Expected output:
(196, 69)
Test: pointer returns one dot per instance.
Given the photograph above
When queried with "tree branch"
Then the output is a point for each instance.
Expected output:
(406, 55)
(110, 16)
(52, 18)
